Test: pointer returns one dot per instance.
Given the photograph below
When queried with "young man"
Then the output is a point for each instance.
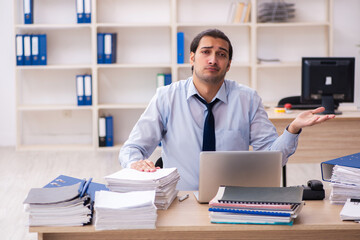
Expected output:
(185, 114)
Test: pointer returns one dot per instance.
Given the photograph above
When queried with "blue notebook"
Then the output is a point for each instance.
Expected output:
(352, 160)
(251, 212)
(64, 180)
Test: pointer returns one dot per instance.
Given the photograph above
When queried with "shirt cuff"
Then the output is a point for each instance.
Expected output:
(286, 130)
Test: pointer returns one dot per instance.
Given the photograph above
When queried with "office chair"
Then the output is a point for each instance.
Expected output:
(159, 163)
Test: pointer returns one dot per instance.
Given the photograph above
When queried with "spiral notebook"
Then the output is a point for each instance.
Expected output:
(256, 205)
(262, 195)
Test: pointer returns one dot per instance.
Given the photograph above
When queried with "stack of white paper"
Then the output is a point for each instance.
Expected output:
(162, 180)
(59, 206)
(131, 210)
(351, 210)
(345, 183)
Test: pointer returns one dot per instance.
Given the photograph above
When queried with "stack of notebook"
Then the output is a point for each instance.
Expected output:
(59, 206)
(256, 205)
(132, 210)
(344, 175)
(164, 181)
(65, 201)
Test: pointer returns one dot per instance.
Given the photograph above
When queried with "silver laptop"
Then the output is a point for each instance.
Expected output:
(237, 168)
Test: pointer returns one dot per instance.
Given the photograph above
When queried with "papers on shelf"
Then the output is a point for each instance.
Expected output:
(345, 183)
(253, 211)
(162, 180)
(59, 206)
(131, 210)
(351, 210)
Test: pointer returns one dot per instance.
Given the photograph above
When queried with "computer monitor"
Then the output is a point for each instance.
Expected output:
(329, 79)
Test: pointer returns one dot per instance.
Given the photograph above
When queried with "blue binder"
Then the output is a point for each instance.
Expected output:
(19, 50)
(27, 49)
(110, 47)
(42, 49)
(180, 47)
(100, 48)
(160, 80)
(80, 11)
(109, 131)
(352, 160)
(28, 11)
(87, 11)
(80, 90)
(35, 50)
(88, 89)
(167, 79)
(102, 131)
(64, 180)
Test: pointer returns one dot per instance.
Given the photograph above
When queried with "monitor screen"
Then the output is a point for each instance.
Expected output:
(328, 79)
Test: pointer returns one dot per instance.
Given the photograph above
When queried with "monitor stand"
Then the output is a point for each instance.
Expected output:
(327, 101)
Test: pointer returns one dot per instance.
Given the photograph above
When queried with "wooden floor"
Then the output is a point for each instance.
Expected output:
(21, 171)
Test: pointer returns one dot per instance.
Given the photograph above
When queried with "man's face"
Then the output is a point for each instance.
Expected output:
(211, 60)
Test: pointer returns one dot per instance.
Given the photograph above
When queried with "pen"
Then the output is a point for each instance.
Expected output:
(183, 197)
(85, 187)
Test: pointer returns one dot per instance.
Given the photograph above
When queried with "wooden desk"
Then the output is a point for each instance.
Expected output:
(190, 220)
(335, 138)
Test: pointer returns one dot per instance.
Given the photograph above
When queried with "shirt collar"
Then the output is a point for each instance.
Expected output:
(221, 94)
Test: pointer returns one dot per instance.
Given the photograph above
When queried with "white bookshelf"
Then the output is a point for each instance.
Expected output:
(47, 113)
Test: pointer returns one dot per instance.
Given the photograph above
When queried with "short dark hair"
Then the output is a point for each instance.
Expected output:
(215, 33)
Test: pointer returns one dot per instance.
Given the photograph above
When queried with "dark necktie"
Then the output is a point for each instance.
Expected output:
(209, 126)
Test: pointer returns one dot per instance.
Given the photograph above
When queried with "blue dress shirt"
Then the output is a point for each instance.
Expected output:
(175, 117)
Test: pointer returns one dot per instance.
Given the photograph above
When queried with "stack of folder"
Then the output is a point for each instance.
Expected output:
(277, 11)
(84, 90)
(106, 48)
(31, 49)
(106, 131)
(132, 210)
(344, 175)
(83, 11)
(164, 181)
(65, 201)
(256, 205)
(163, 79)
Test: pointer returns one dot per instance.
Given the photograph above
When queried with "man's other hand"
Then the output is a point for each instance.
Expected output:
(308, 118)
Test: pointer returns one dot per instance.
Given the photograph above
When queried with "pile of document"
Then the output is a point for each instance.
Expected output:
(131, 210)
(276, 11)
(164, 181)
(345, 183)
(60, 206)
(351, 210)
(256, 205)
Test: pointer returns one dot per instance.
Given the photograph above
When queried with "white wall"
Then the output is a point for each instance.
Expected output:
(346, 36)
(7, 77)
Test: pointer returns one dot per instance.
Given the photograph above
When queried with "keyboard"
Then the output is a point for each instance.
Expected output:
(303, 106)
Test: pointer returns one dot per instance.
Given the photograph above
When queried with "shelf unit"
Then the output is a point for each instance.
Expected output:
(47, 114)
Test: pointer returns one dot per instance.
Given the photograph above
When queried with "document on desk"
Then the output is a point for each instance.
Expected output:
(132, 210)
(164, 181)
(351, 210)
(52, 195)
(60, 206)
(345, 183)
